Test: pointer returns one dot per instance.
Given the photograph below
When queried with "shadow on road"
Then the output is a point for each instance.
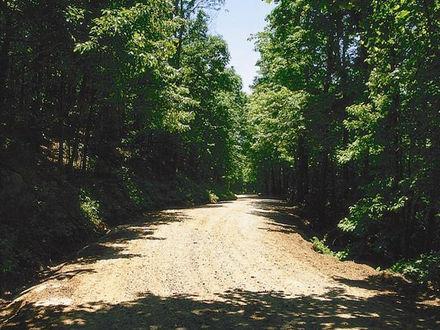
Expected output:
(237, 309)
(282, 217)
(113, 245)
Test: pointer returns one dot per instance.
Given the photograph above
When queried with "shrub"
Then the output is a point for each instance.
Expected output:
(424, 270)
(213, 198)
(321, 247)
(90, 208)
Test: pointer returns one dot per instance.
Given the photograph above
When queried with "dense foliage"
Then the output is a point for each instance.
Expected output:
(108, 104)
(90, 85)
(346, 120)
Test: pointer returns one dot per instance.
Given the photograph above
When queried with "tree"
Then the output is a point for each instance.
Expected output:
(363, 160)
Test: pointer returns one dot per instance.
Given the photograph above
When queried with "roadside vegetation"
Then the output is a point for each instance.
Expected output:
(113, 108)
(344, 120)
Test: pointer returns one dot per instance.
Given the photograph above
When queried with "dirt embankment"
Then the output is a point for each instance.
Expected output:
(237, 264)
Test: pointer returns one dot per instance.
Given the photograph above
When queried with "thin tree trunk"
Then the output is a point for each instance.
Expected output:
(61, 127)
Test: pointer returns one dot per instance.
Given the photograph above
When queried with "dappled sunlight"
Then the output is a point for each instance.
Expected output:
(244, 264)
(115, 245)
(233, 308)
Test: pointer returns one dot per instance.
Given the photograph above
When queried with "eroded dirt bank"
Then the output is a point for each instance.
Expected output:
(236, 264)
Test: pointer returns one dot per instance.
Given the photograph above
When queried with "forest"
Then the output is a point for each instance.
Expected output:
(113, 108)
(345, 121)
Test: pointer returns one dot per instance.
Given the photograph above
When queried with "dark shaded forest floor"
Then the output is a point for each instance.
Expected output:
(242, 264)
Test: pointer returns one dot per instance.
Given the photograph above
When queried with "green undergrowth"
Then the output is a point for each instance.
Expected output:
(151, 193)
(91, 209)
(44, 217)
(320, 245)
(423, 270)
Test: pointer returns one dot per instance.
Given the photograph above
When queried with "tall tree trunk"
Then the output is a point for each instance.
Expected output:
(61, 126)
(179, 11)
(322, 194)
(4, 65)
(302, 179)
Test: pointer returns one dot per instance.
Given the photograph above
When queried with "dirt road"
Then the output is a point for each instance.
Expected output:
(242, 264)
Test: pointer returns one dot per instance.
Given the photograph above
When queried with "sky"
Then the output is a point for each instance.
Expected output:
(236, 22)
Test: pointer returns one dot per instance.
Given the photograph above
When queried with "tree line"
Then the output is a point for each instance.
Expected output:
(344, 120)
(92, 86)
